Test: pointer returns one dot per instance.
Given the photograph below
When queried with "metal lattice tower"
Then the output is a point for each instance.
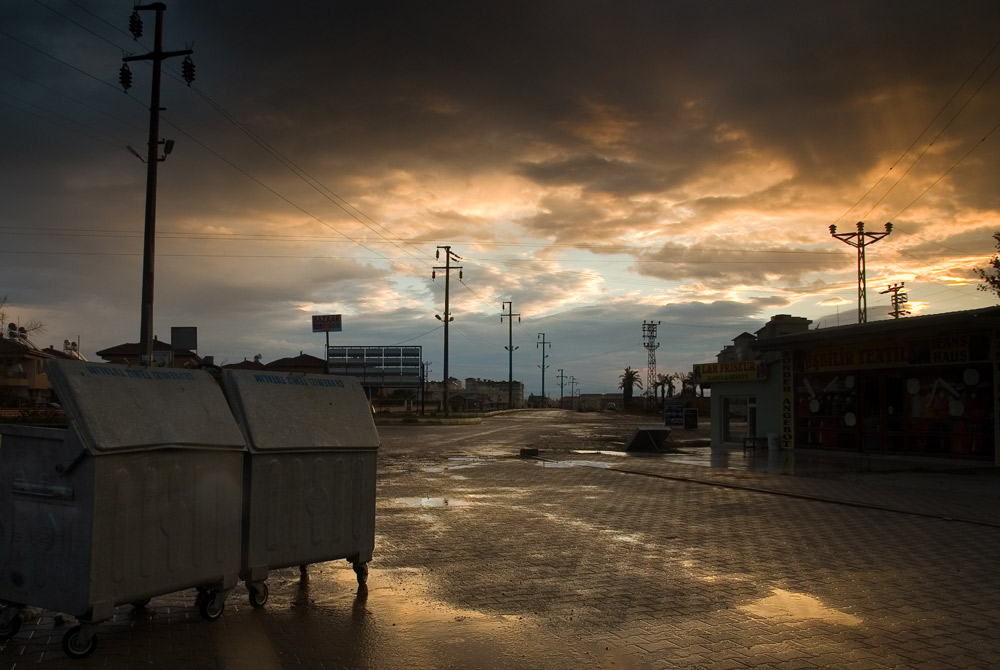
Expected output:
(859, 241)
(899, 300)
(649, 342)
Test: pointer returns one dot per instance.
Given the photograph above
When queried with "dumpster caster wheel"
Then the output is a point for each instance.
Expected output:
(9, 629)
(209, 606)
(258, 594)
(75, 646)
(361, 570)
(140, 604)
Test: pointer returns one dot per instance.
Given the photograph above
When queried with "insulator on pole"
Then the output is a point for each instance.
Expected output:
(187, 70)
(125, 77)
(135, 25)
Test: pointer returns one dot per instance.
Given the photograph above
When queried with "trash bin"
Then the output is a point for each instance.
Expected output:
(138, 497)
(309, 478)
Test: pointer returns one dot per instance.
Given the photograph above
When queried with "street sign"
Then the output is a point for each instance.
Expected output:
(326, 323)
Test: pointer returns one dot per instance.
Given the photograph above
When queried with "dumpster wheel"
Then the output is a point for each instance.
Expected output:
(210, 606)
(257, 594)
(75, 646)
(361, 570)
(9, 629)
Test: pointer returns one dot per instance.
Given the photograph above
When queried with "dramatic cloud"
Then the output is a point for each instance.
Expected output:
(599, 164)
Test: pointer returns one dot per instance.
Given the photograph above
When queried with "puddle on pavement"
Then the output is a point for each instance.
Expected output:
(570, 464)
(417, 502)
(797, 607)
(396, 621)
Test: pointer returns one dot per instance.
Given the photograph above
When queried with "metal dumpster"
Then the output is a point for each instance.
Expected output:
(139, 496)
(309, 479)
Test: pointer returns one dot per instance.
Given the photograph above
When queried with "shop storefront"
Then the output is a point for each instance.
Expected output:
(919, 386)
(737, 390)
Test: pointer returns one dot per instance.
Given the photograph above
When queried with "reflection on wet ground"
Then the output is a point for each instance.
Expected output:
(394, 622)
(933, 472)
(789, 607)
(429, 502)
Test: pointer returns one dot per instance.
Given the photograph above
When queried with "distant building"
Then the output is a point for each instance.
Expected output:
(23, 382)
(478, 395)
(255, 364)
(593, 402)
(303, 363)
(743, 378)
(163, 355)
(918, 386)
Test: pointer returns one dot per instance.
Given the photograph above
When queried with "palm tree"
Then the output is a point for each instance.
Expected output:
(669, 385)
(660, 387)
(630, 379)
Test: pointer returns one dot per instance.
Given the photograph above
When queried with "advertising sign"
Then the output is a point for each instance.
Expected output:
(736, 371)
(326, 323)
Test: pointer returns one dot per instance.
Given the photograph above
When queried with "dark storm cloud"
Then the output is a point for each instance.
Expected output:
(748, 262)
(595, 174)
(698, 138)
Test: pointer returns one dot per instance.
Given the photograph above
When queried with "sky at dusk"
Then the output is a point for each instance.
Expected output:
(597, 164)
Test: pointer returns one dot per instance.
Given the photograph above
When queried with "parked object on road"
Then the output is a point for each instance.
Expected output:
(309, 477)
(650, 438)
(138, 497)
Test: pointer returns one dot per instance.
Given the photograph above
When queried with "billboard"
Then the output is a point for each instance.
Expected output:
(384, 367)
(326, 323)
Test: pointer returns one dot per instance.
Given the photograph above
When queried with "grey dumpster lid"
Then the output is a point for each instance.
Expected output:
(282, 411)
(117, 407)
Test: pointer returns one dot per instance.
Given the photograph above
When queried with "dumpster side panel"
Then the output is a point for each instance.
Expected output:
(46, 503)
(165, 520)
(309, 507)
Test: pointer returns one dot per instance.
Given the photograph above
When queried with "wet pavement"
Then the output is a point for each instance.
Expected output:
(587, 557)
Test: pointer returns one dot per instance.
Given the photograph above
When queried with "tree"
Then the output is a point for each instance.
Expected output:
(990, 276)
(671, 386)
(687, 381)
(33, 326)
(630, 379)
(662, 381)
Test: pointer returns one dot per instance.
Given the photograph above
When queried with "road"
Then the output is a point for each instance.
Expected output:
(584, 559)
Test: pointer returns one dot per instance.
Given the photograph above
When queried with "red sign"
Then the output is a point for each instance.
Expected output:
(326, 323)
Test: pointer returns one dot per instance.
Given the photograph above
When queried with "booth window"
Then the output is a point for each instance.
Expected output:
(739, 418)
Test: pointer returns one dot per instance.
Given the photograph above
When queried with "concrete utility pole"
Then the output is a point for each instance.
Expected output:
(509, 306)
(859, 241)
(899, 300)
(649, 341)
(425, 371)
(153, 158)
(448, 318)
(562, 379)
(572, 392)
(541, 343)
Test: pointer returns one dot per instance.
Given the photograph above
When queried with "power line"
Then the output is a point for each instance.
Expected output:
(924, 131)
